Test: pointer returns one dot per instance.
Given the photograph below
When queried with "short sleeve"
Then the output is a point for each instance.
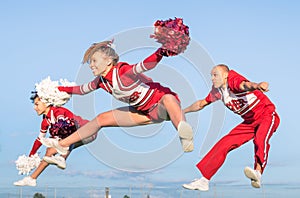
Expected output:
(235, 80)
(213, 95)
(44, 126)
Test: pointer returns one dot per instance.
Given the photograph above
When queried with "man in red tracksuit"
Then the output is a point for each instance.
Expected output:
(246, 99)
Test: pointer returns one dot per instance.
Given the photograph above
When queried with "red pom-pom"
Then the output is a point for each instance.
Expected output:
(63, 128)
(172, 34)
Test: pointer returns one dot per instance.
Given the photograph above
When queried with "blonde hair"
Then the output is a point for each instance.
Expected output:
(105, 48)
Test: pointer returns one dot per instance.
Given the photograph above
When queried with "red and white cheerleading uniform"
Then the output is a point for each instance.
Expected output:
(260, 122)
(54, 116)
(127, 84)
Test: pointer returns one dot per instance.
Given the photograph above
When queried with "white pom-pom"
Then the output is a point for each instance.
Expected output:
(25, 164)
(49, 94)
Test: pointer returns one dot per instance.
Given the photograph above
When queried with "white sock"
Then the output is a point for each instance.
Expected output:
(204, 179)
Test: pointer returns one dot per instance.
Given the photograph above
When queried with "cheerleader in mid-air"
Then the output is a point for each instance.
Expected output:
(149, 102)
(59, 121)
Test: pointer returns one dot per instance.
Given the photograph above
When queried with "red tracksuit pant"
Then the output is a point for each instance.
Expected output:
(259, 130)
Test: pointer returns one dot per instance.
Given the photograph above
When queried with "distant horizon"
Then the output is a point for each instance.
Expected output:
(216, 190)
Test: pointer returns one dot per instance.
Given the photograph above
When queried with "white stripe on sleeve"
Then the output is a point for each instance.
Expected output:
(86, 88)
(139, 68)
(42, 135)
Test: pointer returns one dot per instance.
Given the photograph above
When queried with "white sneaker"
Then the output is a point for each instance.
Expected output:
(254, 175)
(58, 160)
(52, 142)
(198, 184)
(186, 136)
(26, 181)
(187, 145)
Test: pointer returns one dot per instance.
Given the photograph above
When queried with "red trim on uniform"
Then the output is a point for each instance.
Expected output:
(145, 98)
(248, 108)
(106, 85)
(123, 87)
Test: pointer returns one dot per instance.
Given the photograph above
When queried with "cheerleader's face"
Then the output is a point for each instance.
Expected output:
(219, 77)
(40, 107)
(100, 64)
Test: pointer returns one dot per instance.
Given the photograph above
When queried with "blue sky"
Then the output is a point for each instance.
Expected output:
(259, 39)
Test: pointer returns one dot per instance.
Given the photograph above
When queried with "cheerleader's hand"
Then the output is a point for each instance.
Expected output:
(263, 86)
(165, 52)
